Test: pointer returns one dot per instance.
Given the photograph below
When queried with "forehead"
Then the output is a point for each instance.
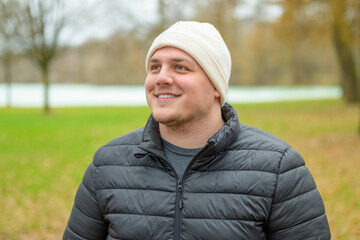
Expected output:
(166, 53)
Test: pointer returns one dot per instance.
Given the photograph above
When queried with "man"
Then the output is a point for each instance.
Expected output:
(194, 171)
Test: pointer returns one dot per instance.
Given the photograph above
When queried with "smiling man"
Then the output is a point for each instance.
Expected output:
(194, 171)
(182, 98)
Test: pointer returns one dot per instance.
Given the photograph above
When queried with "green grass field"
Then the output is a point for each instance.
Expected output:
(43, 158)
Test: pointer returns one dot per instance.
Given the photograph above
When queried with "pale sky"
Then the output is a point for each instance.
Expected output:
(105, 21)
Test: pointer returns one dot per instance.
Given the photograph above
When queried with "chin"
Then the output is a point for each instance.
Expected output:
(165, 118)
(162, 119)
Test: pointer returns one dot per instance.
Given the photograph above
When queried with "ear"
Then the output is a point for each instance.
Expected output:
(216, 93)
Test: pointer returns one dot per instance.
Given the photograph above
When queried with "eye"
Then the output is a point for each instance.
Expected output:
(181, 68)
(154, 67)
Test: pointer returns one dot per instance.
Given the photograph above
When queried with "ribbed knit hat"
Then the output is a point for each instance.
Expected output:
(204, 43)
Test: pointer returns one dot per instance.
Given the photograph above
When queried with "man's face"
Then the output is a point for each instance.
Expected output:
(177, 89)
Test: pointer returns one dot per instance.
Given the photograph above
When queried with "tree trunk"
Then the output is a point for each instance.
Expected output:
(342, 42)
(349, 80)
(359, 122)
(45, 77)
(8, 78)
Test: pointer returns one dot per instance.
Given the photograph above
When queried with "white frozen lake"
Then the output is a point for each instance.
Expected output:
(63, 95)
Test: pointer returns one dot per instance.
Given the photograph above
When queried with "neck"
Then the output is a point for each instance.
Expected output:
(194, 134)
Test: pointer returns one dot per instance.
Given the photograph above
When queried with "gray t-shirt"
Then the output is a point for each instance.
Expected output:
(179, 157)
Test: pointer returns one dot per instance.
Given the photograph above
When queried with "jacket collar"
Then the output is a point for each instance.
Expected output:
(151, 140)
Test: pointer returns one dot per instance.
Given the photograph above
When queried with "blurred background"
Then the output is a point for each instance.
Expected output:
(58, 56)
(273, 42)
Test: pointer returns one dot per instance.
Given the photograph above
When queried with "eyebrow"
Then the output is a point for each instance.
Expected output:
(155, 60)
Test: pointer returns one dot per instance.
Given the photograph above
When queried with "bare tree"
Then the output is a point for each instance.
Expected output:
(8, 29)
(43, 22)
(342, 37)
(318, 18)
(40, 25)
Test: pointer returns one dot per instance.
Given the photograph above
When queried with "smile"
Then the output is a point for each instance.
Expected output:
(162, 96)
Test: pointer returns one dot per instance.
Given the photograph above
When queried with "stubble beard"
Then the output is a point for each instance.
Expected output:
(175, 121)
(179, 122)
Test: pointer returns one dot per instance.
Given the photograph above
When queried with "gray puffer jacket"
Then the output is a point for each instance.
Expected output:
(244, 184)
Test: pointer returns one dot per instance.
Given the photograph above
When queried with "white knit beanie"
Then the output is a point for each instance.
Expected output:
(204, 43)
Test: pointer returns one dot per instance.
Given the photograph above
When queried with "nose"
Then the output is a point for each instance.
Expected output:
(164, 77)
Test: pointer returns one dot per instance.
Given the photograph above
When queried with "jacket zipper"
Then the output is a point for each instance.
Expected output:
(179, 196)
(178, 202)
(179, 188)
(179, 193)
(178, 208)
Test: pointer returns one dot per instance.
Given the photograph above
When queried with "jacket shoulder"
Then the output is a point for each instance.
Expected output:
(131, 138)
(257, 139)
(259, 150)
(260, 140)
(119, 148)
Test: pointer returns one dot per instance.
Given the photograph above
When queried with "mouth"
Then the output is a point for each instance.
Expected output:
(166, 96)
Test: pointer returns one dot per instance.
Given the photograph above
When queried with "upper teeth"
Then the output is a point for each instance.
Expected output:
(166, 96)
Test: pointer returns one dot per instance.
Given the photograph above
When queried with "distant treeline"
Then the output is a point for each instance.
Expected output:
(259, 55)
(303, 46)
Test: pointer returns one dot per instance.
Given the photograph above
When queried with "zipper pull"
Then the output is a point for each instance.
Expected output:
(179, 188)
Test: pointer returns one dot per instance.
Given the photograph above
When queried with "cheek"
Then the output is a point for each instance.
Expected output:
(149, 84)
(211, 90)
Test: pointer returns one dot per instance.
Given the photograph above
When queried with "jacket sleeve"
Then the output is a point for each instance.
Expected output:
(86, 220)
(297, 210)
